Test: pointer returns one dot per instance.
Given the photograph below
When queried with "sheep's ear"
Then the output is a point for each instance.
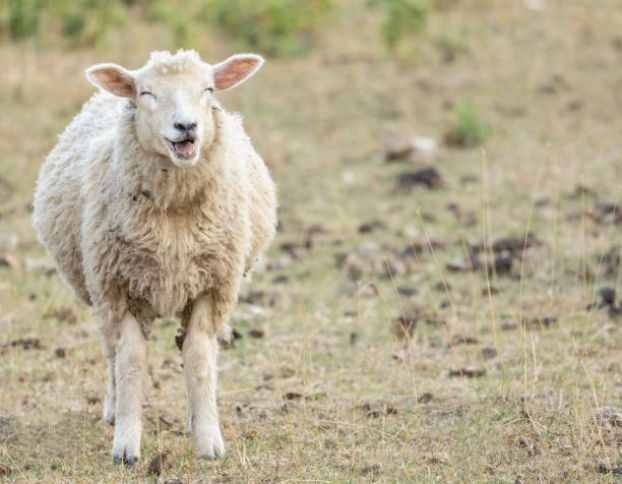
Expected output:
(112, 78)
(235, 70)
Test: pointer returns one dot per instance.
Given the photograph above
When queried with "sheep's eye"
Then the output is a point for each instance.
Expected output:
(147, 93)
(208, 89)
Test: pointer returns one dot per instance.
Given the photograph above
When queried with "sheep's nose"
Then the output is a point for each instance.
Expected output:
(185, 127)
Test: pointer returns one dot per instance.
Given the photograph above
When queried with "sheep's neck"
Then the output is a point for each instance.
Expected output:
(153, 181)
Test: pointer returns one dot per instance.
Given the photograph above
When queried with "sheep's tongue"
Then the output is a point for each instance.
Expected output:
(185, 147)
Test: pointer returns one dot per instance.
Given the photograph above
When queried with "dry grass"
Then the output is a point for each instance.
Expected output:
(330, 392)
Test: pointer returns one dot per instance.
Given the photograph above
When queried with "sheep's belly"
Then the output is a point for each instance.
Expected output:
(163, 287)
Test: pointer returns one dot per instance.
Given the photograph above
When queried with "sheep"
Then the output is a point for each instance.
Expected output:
(154, 203)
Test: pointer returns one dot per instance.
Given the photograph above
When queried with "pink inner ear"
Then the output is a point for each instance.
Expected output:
(233, 72)
(115, 81)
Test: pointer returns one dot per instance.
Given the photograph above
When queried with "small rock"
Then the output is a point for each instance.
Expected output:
(425, 398)
(290, 248)
(60, 352)
(503, 264)
(463, 340)
(509, 244)
(469, 372)
(292, 396)
(377, 409)
(428, 177)
(173, 480)
(9, 261)
(603, 468)
(264, 298)
(160, 462)
(608, 296)
(488, 353)
(372, 470)
(62, 313)
(405, 325)
(371, 226)
(256, 333)
(437, 458)
(424, 147)
(609, 416)
(539, 322)
(607, 469)
(25, 343)
(367, 290)
(406, 291)
(397, 146)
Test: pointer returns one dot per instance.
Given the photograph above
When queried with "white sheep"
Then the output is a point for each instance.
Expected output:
(154, 203)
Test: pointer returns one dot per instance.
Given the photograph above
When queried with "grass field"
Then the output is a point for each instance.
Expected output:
(507, 364)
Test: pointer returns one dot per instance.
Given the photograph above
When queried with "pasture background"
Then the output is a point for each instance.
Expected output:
(501, 375)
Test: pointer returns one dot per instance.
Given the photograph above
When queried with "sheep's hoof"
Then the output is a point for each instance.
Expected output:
(211, 446)
(128, 461)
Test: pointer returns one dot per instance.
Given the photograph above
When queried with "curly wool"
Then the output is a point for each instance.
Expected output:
(129, 231)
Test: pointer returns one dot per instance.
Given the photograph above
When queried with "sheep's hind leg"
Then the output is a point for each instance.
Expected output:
(200, 354)
(130, 366)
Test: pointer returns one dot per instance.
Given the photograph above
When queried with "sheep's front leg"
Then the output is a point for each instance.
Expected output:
(109, 342)
(130, 365)
(200, 354)
(111, 391)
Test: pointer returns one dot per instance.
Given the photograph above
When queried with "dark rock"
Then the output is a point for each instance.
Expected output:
(428, 177)
(609, 469)
(377, 409)
(406, 291)
(25, 343)
(371, 226)
(263, 298)
(469, 372)
(372, 470)
(290, 248)
(62, 313)
(490, 291)
(442, 286)
(353, 338)
(417, 247)
(256, 333)
(539, 322)
(488, 353)
(508, 244)
(463, 340)
(503, 263)
(608, 296)
(60, 352)
(160, 462)
(405, 325)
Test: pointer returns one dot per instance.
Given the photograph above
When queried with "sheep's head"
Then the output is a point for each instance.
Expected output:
(174, 98)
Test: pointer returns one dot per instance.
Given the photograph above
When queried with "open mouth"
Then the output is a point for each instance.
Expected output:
(185, 149)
